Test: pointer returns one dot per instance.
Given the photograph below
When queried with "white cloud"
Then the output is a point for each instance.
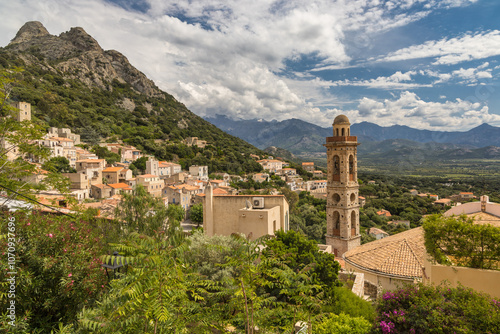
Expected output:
(397, 80)
(468, 76)
(229, 55)
(408, 109)
(451, 51)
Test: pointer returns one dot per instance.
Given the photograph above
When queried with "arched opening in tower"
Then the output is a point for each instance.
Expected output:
(351, 168)
(353, 224)
(336, 223)
(336, 168)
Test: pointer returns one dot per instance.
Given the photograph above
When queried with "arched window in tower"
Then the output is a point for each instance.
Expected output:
(336, 223)
(336, 168)
(353, 223)
(343, 132)
(337, 132)
(351, 168)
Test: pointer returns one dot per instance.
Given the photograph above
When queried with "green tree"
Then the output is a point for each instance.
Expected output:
(196, 213)
(140, 164)
(58, 165)
(157, 295)
(141, 212)
(297, 252)
(459, 239)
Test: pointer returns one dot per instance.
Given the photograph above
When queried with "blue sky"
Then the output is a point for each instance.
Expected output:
(428, 64)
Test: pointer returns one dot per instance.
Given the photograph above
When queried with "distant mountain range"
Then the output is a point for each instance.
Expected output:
(302, 138)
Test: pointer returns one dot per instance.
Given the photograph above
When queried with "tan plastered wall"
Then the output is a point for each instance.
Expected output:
(382, 281)
(478, 279)
(256, 223)
(225, 218)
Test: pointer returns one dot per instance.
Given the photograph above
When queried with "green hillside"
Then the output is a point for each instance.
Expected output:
(99, 95)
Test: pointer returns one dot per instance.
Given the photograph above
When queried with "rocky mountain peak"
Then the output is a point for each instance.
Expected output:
(30, 30)
(81, 40)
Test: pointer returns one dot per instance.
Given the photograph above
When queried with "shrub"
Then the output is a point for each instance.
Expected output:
(430, 309)
(342, 324)
(58, 268)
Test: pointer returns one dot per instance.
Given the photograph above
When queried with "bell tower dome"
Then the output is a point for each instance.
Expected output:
(342, 204)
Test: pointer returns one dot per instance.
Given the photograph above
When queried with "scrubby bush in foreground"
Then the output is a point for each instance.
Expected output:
(442, 309)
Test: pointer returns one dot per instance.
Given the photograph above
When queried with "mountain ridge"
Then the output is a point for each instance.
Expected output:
(288, 134)
(72, 82)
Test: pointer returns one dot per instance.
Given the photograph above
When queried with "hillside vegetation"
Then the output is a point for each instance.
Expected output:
(71, 82)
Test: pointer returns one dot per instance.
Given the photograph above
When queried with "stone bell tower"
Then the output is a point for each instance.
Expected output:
(342, 204)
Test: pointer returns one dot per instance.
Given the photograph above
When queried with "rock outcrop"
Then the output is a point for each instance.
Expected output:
(78, 56)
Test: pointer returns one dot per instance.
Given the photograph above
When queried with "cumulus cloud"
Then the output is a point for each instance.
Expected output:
(451, 50)
(409, 109)
(467, 76)
(231, 57)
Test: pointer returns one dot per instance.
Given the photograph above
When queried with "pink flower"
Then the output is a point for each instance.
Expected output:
(50, 235)
(29, 224)
(70, 276)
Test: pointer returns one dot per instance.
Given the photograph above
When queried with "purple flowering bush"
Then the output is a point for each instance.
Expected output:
(430, 309)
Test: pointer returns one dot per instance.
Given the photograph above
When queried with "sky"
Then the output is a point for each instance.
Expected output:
(427, 64)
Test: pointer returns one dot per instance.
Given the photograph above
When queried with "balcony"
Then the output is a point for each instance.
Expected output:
(335, 139)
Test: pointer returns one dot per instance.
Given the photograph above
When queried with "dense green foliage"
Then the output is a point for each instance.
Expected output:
(196, 213)
(429, 309)
(58, 268)
(157, 125)
(298, 252)
(18, 139)
(104, 153)
(58, 165)
(458, 241)
(140, 212)
(343, 324)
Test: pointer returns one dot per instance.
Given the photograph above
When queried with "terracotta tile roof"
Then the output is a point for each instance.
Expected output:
(60, 139)
(401, 254)
(384, 213)
(308, 164)
(465, 193)
(374, 230)
(120, 185)
(484, 218)
(219, 191)
(443, 200)
(146, 176)
(268, 160)
(100, 186)
(112, 169)
(91, 160)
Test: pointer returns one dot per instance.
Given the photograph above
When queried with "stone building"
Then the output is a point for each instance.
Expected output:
(24, 111)
(253, 215)
(342, 206)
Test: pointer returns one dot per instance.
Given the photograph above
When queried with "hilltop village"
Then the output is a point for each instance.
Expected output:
(123, 212)
(377, 266)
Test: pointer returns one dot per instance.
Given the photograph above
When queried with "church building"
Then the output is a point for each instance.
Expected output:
(342, 205)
